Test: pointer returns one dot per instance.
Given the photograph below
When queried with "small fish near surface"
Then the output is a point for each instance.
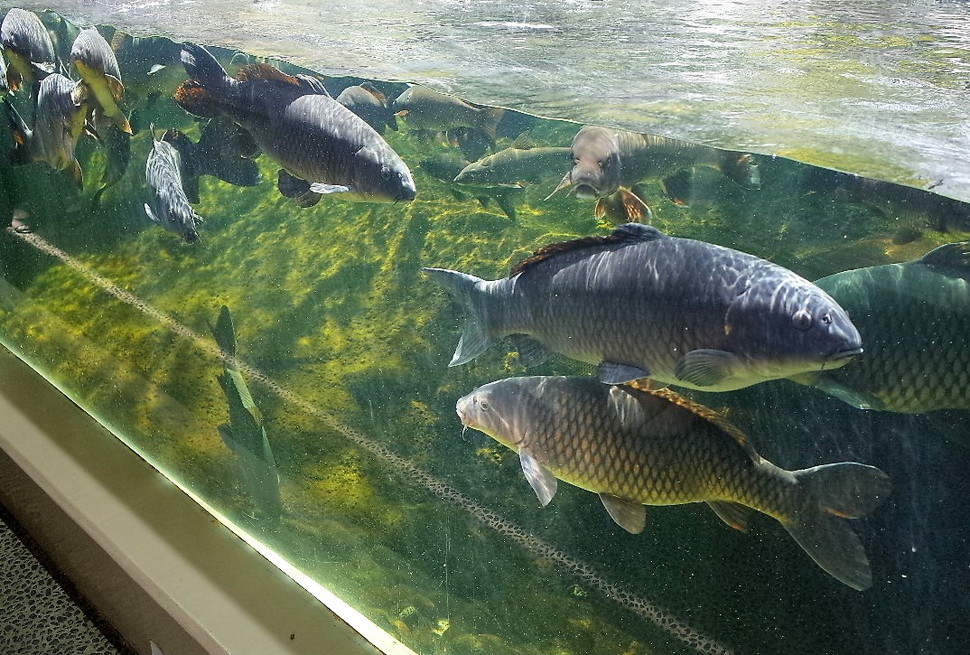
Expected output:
(60, 119)
(95, 62)
(914, 318)
(322, 146)
(370, 104)
(642, 304)
(634, 448)
(445, 166)
(168, 204)
(245, 434)
(607, 162)
(425, 109)
(516, 166)
(28, 49)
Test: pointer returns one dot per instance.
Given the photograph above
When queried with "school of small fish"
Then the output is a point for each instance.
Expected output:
(646, 308)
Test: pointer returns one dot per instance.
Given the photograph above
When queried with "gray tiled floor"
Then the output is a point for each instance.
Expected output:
(37, 617)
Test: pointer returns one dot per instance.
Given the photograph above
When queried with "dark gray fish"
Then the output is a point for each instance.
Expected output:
(641, 304)
(516, 166)
(245, 434)
(424, 109)
(317, 140)
(28, 48)
(607, 162)
(95, 62)
(117, 149)
(168, 204)
(224, 150)
(370, 104)
(60, 119)
(914, 318)
(634, 448)
(445, 166)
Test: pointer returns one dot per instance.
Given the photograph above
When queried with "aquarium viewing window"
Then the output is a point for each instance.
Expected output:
(492, 331)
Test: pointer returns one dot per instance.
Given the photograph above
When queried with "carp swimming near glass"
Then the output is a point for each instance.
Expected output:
(914, 318)
(322, 146)
(28, 48)
(608, 162)
(168, 204)
(642, 304)
(95, 62)
(634, 447)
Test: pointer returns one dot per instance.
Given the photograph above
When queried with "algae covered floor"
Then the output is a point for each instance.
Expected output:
(344, 345)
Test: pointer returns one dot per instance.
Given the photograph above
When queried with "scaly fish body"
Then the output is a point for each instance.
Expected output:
(96, 64)
(642, 304)
(915, 320)
(512, 166)
(168, 205)
(636, 448)
(370, 105)
(28, 48)
(314, 138)
(425, 109)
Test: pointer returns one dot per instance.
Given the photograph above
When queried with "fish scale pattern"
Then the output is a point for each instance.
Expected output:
(641, 447)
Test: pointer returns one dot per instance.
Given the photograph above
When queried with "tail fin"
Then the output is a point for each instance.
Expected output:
(491, 117)
(475, 337)
(742, 169)
(219, 153)
(200, 65)
(846, 490)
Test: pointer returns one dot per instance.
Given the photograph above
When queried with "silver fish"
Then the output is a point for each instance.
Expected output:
(642, 304)
(168, 204)
(425, 109)
(915, 320)
(515, 166)
(60, 119)
(370, 104)
(322, 145)
(28, 48)
(95, 62)
(634, 448)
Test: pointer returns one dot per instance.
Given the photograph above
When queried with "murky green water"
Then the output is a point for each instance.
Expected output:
(344, 345)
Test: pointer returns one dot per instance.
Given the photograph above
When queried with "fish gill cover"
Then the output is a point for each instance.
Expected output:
(342, 344)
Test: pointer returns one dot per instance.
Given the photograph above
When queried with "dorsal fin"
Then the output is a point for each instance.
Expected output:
(628, 233)
(256, 72)
(639, 388)
(954, 257)
(371, 89)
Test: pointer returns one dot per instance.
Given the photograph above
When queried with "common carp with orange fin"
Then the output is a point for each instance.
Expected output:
(607, 162)
(636, 448)
(642, 304)
(95, 62)
(322, 146)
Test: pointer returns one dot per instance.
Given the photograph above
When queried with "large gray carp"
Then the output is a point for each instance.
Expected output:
(642, 304)
(915, 317)
(323, 146)
(634, 447)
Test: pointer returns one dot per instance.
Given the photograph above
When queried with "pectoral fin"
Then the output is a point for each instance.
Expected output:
(565, 182)
(531, 352)
(705, 367)
(629, 515)
(613, 373)
(543, 482)
(624, 206)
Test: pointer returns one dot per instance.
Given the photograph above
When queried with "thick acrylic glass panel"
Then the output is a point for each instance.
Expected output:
(343, 344)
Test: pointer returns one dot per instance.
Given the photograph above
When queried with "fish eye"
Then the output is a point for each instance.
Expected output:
(483, 405)
(826, 318)
(802, 320)
(385, 173)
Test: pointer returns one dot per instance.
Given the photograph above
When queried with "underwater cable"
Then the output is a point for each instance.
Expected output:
(584, 572)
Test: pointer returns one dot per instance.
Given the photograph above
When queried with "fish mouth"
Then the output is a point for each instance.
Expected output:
(586, 192)
(842, 357)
